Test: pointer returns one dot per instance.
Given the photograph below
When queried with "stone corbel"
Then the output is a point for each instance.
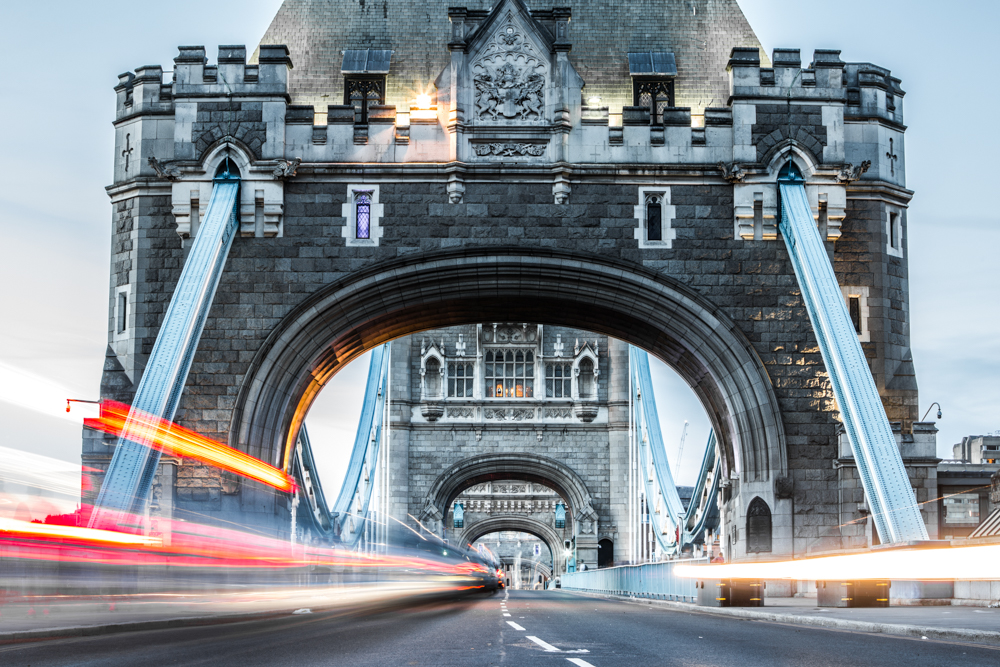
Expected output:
(561, 189)
(456, 189)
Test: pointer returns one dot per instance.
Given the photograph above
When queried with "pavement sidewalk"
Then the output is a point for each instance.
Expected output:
(969, 624)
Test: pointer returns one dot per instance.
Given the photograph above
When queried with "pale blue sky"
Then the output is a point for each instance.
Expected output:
(57, 103)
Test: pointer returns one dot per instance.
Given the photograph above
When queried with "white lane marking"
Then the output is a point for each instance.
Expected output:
(515, 626)
(548, 647)
(580, 662)
(505, 614)
(303, 611)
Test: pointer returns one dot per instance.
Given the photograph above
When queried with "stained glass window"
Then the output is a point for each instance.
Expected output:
(363, 205)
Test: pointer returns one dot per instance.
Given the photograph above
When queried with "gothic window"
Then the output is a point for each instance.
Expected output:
(586, 380)
(363, 215)
(655, 95)
(654, 218)
(558, 380)
(459, 516)
(460, 378)
(361, 92)
(509, 374)
(758, 527)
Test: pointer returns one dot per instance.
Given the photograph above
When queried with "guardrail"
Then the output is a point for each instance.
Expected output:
(651, 580)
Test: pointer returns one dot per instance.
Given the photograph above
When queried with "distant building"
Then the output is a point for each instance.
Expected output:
(978, 449)
(964, 484)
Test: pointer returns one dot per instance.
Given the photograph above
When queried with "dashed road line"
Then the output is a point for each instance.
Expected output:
(515, 626)
(580, 662)
(545, 645)
(506, 614)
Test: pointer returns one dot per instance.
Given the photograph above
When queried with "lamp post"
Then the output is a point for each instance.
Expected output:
(929, 410)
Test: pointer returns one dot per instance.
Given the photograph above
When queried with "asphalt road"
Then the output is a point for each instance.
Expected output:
(544, 629)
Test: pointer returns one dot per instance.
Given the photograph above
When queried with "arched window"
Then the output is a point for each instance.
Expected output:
(363, 215)
(654, 218)
(585, 386)
(432, 379)
(758, 527)
(509, 374)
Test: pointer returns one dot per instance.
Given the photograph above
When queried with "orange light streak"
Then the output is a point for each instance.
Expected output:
(975, 562)
(10, 527)
(175, 440)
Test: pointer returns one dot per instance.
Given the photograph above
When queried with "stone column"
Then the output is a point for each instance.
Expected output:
(618, 388)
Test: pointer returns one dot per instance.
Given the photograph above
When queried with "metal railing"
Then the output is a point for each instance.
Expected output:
(651, 580)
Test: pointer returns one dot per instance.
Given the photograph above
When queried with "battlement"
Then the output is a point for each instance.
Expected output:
(232, 76)
(151, 90)
(868, 91)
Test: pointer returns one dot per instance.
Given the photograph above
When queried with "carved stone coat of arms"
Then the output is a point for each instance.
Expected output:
(509, 78)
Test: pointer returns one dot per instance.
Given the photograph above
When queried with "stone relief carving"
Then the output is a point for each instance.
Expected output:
(509, 414)
(286, 168)
(558, 413)
(503, 333)
(161, 169)
(508, 149)
(851, 173)
(732, 172)
(509, 77)
(461, 413)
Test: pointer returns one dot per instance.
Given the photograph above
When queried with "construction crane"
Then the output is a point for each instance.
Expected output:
(680, 448)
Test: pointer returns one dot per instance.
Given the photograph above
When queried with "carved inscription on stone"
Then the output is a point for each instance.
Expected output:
(509, 77)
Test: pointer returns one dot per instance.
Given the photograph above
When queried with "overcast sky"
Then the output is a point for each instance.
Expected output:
(57, 104)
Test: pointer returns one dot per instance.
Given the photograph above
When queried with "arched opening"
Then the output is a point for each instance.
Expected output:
(605, 553)
(758, 527)
(525, 558)
(341, 321)
(676, 325)
(586, 379)
(432, 380)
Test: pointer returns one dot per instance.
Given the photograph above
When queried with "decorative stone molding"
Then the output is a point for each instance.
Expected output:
(508, 149)
(456, 189)
(508, 414)
(461, 413)
(161, 169)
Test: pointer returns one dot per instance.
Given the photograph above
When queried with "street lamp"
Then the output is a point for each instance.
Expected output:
(929, 410)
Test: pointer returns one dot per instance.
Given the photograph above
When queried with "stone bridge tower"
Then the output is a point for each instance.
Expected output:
(595, 165)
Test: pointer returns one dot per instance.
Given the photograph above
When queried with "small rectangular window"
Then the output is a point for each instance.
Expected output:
(122, 312)
(558, 380)
(460, 378)
(894, 231)
(854, 305)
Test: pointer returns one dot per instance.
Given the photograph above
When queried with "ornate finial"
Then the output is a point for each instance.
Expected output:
(850, 173)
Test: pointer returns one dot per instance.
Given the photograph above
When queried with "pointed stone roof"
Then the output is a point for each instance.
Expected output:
(699, 34)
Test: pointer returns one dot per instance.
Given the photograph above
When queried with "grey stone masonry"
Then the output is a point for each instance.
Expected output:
(511, 197)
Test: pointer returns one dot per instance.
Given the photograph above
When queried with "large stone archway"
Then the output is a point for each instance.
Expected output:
(522, 525)
(341, 321)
